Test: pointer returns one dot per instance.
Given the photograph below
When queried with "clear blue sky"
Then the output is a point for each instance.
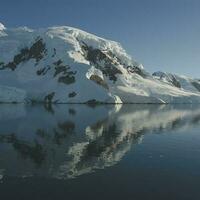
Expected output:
(161, 34)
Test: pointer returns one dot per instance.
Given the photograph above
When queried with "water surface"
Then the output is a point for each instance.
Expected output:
(103, 152)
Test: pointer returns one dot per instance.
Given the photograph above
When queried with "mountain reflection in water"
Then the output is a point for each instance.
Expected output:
(66, 141)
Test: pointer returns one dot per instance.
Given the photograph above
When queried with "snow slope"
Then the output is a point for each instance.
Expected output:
(67, 65)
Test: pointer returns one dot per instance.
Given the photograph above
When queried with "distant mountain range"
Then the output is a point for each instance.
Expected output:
(67, 65)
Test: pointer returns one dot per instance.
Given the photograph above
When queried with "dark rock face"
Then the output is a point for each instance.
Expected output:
(59, 68)
(37, 51)
(92, 102)
(96, 57)
(43, 71)
(137, 70)
(54, 53)
(67, 77)
(72, 94)
(99, 81)
(196, 84)
(170, 78)
(175, 82)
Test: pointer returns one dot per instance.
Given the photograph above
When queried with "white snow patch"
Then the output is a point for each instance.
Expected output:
(2, 27)
(94, 71)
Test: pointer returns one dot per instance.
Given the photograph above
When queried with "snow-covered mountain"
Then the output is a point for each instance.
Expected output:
(67, 65)
(181, 82)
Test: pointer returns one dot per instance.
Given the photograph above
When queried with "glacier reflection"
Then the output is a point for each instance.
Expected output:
(66, 141)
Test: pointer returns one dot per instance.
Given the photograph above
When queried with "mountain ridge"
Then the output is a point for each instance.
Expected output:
(67, 65)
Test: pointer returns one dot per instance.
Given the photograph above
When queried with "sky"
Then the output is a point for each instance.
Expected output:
(161, 34)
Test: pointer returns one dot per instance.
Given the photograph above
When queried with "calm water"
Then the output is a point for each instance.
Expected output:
(105, 152)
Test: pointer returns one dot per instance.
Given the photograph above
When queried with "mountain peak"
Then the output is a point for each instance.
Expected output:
(67, 65)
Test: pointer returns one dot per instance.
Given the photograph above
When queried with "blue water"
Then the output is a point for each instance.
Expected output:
(103, 152)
